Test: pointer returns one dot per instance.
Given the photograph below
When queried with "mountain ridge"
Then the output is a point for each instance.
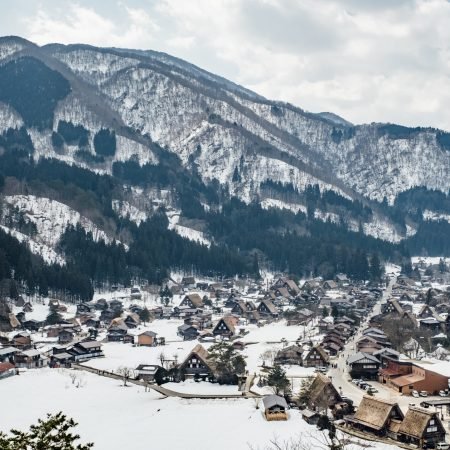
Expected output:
(160, 134)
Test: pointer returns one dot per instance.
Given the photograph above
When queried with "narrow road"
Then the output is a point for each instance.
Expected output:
(168, 392)
(340, 375)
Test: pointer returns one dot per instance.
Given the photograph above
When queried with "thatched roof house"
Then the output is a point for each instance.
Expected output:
(421, 426)
(290, 355)
(197, 362)
(322, 394)
(375, 415)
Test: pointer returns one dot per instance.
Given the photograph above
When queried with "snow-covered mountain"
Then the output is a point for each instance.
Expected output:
(223, 132)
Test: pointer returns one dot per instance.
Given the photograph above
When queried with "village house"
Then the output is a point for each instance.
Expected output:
(406, 376)
(422, 428)
(7, 354)
(30, 359)
(367, 344)
(7, 370)
(243, 308)
(288, 284)
(310, 417)
(117, 331)
(188, 332)
(192, 301)
(65, 336)
(316, 357)
(322, 395)
(330, 285)
(135, 293)
(132, 320)
(147, 339)
(341, 279)
(275, 407)
(201, 320)
(310, 285)
(83, 308)
(197, 364)
(291, 355)
(82, 351)
(363, 365)
(376, 416)
(150, 373)
(32, 324)
(22, 340)
(188, 282)
(225, 327)
(267, 309)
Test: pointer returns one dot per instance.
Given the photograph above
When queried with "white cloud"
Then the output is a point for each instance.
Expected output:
(81, 24)
(365, 60)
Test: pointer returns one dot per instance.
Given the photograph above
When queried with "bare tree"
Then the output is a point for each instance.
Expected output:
(162, 359)
(269, 356)
(126, 373)
(324, 440)
(73, 376)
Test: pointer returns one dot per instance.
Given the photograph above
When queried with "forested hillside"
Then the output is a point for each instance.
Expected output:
(118, 165)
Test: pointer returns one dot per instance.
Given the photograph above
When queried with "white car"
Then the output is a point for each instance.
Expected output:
(415, 394)
(443, 393)
(423, 393)
(442, 446)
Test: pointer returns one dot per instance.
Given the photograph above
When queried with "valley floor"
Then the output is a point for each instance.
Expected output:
(117, 417)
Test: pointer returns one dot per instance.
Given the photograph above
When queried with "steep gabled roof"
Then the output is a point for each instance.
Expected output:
(319, 350)
(269, 305)
(274, 400)
(320, 383)
(229, 323)
(416, 421)
(374, 412)
(361, 357)
(201, 353)
(196, 300)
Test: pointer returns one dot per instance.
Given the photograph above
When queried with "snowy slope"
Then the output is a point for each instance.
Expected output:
(47, 253)
(222, 129)
(52, 218)
(431, 215)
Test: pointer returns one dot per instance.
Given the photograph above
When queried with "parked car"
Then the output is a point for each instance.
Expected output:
(442, 446)
(443, 393)
(347, 400)
(423, 393)
(415, 394)
(372, 390)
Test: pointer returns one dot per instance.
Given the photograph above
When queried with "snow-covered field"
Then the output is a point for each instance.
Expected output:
(116, 417)
(428, 259)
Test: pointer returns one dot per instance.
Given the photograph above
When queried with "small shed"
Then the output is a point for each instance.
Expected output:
(311, 417)
(147, 338)
(275, 408)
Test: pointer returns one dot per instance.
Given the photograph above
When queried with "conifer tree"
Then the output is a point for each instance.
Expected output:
(53, 433)
(278, 380)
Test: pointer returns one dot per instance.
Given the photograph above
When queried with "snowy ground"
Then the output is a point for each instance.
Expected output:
(116, 418)
(428, 259)
(118, 354)
(202, 387)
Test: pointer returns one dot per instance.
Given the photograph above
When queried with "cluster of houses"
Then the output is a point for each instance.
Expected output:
(382, 418)
(28, 357)
(377, 417)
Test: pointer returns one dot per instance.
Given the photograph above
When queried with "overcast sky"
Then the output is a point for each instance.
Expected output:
(366, 60)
